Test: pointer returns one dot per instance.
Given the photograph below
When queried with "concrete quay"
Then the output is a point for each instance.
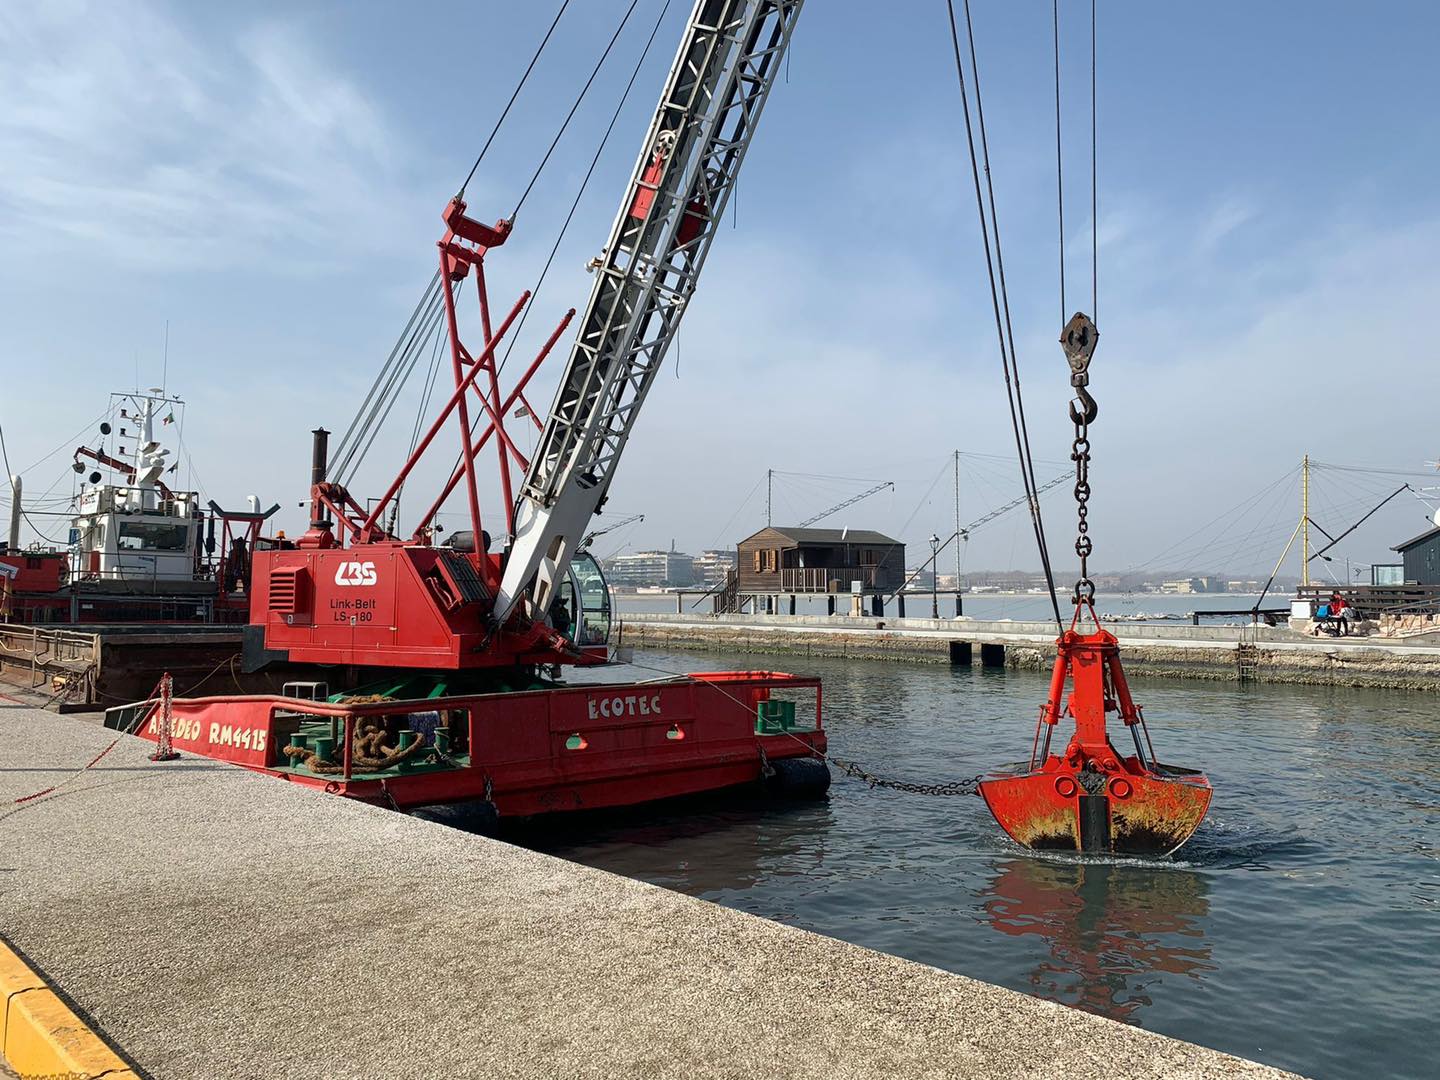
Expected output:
(212, 922)
(1199, 652)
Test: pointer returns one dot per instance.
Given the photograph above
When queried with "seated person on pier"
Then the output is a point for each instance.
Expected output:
(1331, 617)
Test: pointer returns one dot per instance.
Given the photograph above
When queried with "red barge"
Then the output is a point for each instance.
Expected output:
(426, 675)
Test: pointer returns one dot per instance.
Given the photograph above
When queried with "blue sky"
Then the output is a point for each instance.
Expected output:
(269, 179)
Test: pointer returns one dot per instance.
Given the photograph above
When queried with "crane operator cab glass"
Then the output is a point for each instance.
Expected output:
(582, 606)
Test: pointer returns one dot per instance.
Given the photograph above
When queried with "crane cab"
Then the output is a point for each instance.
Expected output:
(582, 606)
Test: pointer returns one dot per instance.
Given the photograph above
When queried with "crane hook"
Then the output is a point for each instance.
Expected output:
(1087, 411)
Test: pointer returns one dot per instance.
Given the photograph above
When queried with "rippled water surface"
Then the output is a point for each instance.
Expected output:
(1301, 925)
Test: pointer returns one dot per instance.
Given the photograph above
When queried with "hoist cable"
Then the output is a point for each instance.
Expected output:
(1094, 188)
(421, 339)
(361, 436)
(1059, 157)
(347, 454)
(420, 413)
(584, 183)
(343, 447)
(344, 468)
(998, 296)
(565, 226)
(571, 114)
(518, 87)
(1027, 458)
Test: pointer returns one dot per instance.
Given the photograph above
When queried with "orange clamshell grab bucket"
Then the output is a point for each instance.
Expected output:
(1093, 798)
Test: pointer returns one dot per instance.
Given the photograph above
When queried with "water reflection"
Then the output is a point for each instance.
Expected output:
(699, 846)
(1112, 931)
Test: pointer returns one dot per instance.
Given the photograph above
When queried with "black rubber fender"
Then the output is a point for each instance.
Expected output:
(476, 817)
(800, 778)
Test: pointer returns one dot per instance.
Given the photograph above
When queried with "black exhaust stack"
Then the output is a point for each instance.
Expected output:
(319, 466)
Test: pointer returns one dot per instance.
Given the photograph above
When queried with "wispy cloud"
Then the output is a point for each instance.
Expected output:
(162, 150)
(1223, 221)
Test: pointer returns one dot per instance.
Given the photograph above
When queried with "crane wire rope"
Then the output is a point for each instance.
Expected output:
(571, 114)
(346, 454)
(365, 427)
(575, 203)
(420, 340)
(515, 94)
(998, 294)
(584, 183)
(1059, 159)
(343, 451)
(421, 411)
(1094, 185)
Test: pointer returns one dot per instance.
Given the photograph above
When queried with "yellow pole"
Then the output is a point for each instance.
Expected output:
(1305, 522)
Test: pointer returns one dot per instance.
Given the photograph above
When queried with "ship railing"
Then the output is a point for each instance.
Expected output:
(45, 654)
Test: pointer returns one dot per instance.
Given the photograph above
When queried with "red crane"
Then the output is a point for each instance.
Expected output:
(448, 655)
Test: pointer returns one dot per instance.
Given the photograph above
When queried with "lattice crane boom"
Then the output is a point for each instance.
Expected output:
(729, 56)
(848, 502)
(591, 537)
(993, 514)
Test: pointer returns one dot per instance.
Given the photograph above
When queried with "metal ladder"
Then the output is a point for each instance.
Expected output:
(1247, 661)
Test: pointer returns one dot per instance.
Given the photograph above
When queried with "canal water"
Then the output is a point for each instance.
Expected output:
(1300, 926)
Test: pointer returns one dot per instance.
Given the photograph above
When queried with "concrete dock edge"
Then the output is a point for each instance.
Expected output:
(40, 1035)
(214, 923)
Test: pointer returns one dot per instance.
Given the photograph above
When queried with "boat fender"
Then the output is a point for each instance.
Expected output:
(804, 778)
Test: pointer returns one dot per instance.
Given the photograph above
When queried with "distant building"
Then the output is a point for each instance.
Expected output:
(713, 567)
(793, 560)
(920, 580)
(1421, 556)
(1184, 585)
(671, 569)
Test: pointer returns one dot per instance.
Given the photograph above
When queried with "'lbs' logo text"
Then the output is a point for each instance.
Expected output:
(355, 573)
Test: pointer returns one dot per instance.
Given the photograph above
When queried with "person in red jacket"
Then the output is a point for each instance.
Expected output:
(1338, 609)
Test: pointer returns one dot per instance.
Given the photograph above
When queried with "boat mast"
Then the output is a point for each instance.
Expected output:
(1305, 521)
(959, 537)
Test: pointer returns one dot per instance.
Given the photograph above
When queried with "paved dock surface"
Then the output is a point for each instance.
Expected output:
(213, 922)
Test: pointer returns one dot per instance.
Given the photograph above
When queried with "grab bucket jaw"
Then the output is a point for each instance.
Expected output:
(1092, 798)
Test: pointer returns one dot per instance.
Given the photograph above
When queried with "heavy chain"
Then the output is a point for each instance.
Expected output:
(952, 787)
(1080, 454)
(1078, 340)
